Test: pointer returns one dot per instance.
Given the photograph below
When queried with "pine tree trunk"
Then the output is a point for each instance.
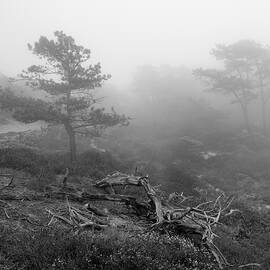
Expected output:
(72, 142)
(264, 118)
(263, 101)
(246, 118)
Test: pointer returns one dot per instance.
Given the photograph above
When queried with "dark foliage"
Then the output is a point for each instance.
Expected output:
(24, 159)
(250, 239)
(91, 163)
(50, 249)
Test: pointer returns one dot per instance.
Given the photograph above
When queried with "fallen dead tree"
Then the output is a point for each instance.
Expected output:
(200, 220)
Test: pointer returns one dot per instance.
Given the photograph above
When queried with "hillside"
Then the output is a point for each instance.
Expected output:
(88, 222)
(120, 239)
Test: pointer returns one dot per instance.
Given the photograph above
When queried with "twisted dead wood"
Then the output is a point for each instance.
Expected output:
(200, 220)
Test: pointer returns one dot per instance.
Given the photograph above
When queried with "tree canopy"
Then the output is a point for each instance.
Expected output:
(70, 82)
(245, 76)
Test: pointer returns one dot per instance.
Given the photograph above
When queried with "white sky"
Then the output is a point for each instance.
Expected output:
(123, 33)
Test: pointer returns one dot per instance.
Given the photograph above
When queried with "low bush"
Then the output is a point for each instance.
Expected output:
(91, 163)
(50, 249)
(24, 159)
(250, 240)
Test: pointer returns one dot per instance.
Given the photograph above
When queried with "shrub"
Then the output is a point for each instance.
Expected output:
(50, 249)
(91, 163)
(24, 159)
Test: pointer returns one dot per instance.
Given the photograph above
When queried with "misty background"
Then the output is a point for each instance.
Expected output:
(151, 49)
(139, 41)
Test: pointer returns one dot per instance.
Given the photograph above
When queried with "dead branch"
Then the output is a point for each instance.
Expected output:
(10, 183)
(250, 264)
(65, 177)
(6, 214)
(78, 219)
(176, 195)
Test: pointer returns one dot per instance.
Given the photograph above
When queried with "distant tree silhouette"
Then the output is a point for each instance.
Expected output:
(246, 75)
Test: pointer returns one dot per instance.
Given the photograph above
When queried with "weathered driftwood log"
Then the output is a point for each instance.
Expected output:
(151, 193)
(120, 179)
(188, 221)
(131, 201)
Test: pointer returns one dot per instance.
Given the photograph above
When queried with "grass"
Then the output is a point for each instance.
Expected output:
(52, 249)
(251, 243)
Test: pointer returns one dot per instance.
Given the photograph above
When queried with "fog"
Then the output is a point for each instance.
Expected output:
(136, 40)
(125, 34)
(145, 123)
